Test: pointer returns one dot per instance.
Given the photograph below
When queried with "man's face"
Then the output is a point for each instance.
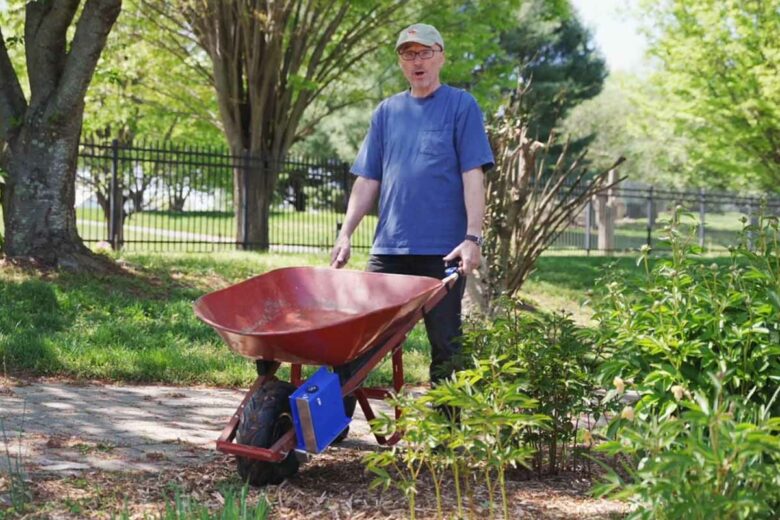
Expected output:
(422, 74)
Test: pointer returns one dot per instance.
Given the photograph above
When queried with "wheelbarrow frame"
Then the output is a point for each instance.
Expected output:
(391, 341)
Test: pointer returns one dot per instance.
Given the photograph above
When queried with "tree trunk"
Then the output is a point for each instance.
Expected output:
(40, 136)
(254, 180)
(39, 199)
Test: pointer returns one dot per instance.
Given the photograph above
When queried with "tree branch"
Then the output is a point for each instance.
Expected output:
(92, 29)
(12, 101)
(45, 31)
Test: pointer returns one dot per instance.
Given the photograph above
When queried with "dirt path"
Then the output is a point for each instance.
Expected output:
(87, 449)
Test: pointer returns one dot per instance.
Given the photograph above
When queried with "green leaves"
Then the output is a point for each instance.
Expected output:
(685, 319)
(549, 360)
(467, 426)
(719, 86)
(700, 343)
(714, 460)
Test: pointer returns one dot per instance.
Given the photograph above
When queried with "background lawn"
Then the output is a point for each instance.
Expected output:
(314, 229)
(140, 326)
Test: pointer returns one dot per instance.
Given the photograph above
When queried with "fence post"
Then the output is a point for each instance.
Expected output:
(753, 220)
(650, 218)
(606, 216)
(588, 224)
(113, 203)
(345, 200)
(702, 210)
(245, 200)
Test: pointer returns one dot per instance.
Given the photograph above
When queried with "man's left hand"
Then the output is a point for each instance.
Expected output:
(469, 254)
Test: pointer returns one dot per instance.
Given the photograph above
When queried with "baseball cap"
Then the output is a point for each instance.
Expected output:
(421, 33)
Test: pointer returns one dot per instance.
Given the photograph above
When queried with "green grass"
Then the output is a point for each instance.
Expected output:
(140, 326)
(315, 229)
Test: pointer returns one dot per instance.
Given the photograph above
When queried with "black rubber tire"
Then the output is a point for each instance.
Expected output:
(265, 418)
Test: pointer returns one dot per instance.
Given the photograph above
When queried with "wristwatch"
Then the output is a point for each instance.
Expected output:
(474, 238)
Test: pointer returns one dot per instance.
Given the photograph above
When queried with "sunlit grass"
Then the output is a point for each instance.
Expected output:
(140, 326)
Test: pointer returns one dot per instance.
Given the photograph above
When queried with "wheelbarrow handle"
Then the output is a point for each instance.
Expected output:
(452, 275)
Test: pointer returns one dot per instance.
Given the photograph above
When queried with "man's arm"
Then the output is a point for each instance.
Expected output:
(361, 200)
(474, 196)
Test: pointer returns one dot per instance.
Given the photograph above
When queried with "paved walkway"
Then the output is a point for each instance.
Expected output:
(69, 428)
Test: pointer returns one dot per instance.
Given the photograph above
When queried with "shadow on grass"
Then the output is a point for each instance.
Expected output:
(131, 326)
(30, 315)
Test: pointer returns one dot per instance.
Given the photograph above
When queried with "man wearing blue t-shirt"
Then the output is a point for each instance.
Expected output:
(424, 157)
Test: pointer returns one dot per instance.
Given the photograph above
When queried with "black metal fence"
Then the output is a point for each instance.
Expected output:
(162, 197)
(168, 198)
(633, 215)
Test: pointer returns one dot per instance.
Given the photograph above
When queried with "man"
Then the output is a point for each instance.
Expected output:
(424, 157)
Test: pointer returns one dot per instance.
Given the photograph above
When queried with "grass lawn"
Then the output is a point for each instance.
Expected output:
(140, 326)
(315, 229)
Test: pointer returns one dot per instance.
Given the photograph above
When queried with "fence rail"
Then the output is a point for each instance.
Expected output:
(168, 198)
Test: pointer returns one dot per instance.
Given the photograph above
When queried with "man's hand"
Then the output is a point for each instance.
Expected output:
(341, 252)
(469, 254)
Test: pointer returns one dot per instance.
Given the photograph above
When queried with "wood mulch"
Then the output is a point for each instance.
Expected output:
(333, 485)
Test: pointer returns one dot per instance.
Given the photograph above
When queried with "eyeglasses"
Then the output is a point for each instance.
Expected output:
(424, 54)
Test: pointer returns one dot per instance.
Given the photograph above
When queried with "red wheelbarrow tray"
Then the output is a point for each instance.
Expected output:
(318, 316)
(309, 315)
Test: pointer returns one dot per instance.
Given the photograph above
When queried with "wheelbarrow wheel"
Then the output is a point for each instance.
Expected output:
(265, 418)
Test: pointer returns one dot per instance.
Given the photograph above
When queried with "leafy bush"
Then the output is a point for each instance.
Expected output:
(717, 460)
(687, 318)
(698, 344)
(466, 428)
(555, 365)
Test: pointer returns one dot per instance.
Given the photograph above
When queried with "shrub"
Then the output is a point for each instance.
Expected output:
(555, 365)
(698, 343)
(687, 318)
(466, 427)
(719, 459)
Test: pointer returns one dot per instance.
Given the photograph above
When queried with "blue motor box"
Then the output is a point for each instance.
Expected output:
(318, 411)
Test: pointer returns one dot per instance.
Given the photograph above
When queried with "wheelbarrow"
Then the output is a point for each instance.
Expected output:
(310, 316)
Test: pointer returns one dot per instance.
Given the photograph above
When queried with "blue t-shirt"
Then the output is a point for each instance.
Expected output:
(418, 148)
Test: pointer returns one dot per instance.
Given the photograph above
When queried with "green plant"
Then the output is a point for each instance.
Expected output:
(554, 364)
(697, 343)
(467, 427)
(685, 318)
(236, 507)
(18, 490)
(717, 460)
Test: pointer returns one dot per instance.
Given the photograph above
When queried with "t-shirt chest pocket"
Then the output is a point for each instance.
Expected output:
(436, 142)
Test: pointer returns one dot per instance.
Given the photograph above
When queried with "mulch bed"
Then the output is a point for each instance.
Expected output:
(333, 485)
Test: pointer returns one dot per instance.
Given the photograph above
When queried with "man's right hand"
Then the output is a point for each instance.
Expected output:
(341, 252)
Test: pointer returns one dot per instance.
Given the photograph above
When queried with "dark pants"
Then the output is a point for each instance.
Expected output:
(443, 323)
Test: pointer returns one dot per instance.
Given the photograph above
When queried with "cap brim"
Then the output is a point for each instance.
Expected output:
(421, 41)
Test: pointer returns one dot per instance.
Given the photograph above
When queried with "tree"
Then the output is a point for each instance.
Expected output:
(720, 79)
(39, 136)
(551, 51)
(619, 126)
(527, 205)
(280, 68)
(269, 62)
